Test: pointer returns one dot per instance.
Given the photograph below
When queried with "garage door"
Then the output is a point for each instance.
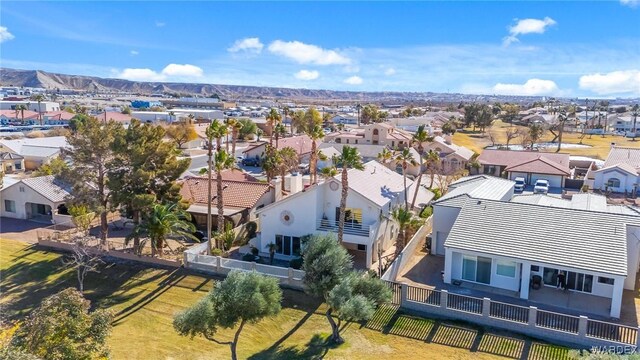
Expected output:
(554, 180)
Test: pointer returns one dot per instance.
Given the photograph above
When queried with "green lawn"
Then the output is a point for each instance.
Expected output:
(145, 300)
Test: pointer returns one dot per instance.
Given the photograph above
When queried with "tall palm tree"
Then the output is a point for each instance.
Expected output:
(288, 160)
(405, 158)
(39, 98)
(214, 131)
(385, 156)
(405, 219)
(285, 111)
(271, 163)
(22, 108)
(348, 159)
(163, 221)
(297, 122)
(419, 138)
(432, 159)
(273, 118)
(315, 133)
(278, 131)
(562, 120)
(236, 126)
(358, 107)
(635, 114)
(221, 161)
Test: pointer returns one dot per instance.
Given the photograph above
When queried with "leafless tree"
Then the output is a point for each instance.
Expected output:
(82, 261)
(511, 133)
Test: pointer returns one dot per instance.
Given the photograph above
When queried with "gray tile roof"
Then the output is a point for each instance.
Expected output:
(48, 187)
(583, 201)
(586, 240)
(376, 182)
(479, 187)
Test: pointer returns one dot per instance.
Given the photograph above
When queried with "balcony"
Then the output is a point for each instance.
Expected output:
(349, 228)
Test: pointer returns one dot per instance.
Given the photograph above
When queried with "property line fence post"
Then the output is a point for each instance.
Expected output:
(185, 260)
(486, 307)
(444, 297)
(638, 338)
(404, 288)
(218, 264)
(290, 276)
(253, 266)
(533, 315)
(582, 326)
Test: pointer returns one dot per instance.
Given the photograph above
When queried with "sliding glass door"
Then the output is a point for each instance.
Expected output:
(476, 269)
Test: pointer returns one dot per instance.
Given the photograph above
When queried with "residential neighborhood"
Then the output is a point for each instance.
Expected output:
(291, 191)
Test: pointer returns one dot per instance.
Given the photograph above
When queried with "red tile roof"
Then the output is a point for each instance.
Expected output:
(511, 158)
(541, 165)
(59, 115)
(11, 114)
(233, 175)
(115, 116)
(235, 194)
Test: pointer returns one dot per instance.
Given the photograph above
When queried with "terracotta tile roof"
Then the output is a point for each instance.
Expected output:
(301, 144)
(510, 158)
(115, 116)
(236, 194)
(59, 115)
(541, 165)
(11, 114)
(232, 175)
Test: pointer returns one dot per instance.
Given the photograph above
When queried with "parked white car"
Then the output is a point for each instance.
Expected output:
(541, 186)
(520, 184)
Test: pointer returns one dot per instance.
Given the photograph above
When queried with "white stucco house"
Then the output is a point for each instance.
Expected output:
(531, 165)
(373, 194)
(35, 151)
(510, 245)
(621, 171)
(447, 208)
(40, 199)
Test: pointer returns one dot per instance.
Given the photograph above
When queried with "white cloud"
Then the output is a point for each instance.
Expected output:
(307, 53)
(133, 52)
(5, 35)
(530, 88)
(390, 71)
(140, 75)
(160, 23)
(616, 82)
(169, 72)
(307, 75)
(182, 70)
(252, 45)
(353, 80)
(527, 26)
(630, 3)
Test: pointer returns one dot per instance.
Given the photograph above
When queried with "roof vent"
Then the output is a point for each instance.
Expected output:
(479, 202)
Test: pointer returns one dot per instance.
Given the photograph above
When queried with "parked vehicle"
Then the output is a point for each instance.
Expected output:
(520, 184)
(541, 186)
(251, 162)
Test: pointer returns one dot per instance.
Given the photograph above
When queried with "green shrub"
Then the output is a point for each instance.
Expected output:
(426, 212)
(296, 263)
(255, 251)
(216, 252)
(248, 257)
(251, 227)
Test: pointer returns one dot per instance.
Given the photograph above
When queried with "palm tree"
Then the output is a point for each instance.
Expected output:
(432, 159)
(297, 121)
(420, 137)
(214, 131)
(315, 133)
(285, 111)
(163, 221)
(39, 98)
(405, 158)
(358, 107)
(562, 120)
(272, 118)
(219, 130)
(235, 131)
(288, 160)
(271, 164)
(348, 159)
(635, 114)
(405, 220)
(22, 108)
(221, 161)
(272, 251)
(385, 156)
(279, 130)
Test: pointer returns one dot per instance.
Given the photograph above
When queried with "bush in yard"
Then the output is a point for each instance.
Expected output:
(242, 297)
(251, 227)
(62, 328)
(248, 257)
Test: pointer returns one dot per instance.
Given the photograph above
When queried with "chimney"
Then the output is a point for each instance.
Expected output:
(295, 183)
(276, 187)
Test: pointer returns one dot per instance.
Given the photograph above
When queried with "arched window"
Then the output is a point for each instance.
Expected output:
(613, 182)
(375, 131)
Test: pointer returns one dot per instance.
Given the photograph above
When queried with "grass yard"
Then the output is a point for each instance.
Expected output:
(599, 145)
(145, 300)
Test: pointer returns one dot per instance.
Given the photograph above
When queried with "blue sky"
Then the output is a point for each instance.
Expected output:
(575, 48)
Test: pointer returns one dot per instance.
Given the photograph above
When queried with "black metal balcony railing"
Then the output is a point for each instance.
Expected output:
(349, 227)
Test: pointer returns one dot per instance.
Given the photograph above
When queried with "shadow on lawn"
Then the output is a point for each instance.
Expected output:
(316, 348)
(389, 320)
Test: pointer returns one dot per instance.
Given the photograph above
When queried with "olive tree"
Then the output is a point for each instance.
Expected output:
(329, 274)
(243, 297)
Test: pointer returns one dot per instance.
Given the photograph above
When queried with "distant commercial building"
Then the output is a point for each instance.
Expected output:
(140, 104)
(198, 103)
(31, 105)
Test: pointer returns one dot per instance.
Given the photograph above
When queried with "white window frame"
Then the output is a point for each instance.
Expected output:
(504, 264)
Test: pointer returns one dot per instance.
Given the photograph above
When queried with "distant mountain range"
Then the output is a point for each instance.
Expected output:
(47, 80)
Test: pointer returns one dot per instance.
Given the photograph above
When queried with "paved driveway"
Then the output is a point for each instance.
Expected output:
(21, 230)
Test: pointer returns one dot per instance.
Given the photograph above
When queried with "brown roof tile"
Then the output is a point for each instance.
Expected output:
(237, 194)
